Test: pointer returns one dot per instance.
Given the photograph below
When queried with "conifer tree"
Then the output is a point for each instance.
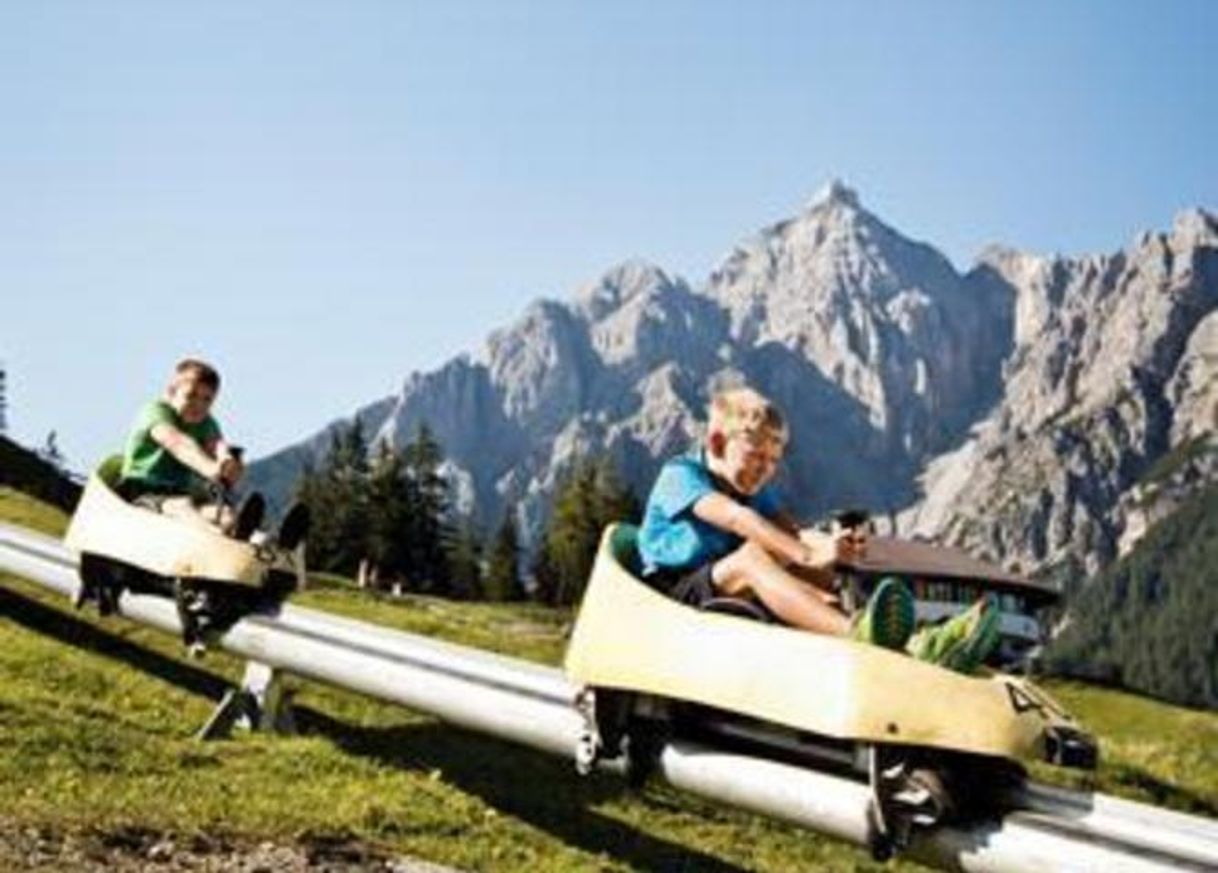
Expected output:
(350, 450)
(590, 497)
(388, 519)
(310, 490)
(615, 500)
(502, 579)
(50, 451)
(337, 496)
(428, 512)
(464, 558)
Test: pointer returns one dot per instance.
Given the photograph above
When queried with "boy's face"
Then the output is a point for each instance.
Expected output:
(749, 460)
(190, 398)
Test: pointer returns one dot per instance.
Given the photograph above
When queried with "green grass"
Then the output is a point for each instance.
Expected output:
(17, 508)
(96, 720)
(529, 631)
(1152, 751)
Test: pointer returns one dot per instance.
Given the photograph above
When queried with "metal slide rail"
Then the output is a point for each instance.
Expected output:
(1048, 829)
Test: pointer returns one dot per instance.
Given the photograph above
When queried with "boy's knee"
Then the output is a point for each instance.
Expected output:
(754, 558)
(738, 572)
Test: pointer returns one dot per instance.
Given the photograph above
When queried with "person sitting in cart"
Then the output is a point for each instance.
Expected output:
(176, 448)
(713, 526)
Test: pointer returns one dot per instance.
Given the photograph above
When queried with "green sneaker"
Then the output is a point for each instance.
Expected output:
(888, 618)
(961, 643)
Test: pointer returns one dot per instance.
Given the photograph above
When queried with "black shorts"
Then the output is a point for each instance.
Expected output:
(692, 587)
(150, 498)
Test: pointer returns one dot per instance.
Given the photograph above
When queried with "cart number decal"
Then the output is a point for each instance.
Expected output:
(1021, 702)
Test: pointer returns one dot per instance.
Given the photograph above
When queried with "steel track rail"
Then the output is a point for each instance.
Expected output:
(1047, 829)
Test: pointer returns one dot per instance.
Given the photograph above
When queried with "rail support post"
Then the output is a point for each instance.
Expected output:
(262, 703)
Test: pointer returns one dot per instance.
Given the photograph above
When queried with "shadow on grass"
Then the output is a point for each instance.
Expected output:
(76, 632)
(1161, 793)
(541, 790)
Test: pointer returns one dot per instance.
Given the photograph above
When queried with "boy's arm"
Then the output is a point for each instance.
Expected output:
(186, 450)
(726, 514)
(787, 522)
(231, 465)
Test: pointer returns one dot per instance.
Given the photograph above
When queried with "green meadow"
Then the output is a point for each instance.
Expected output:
(97, 721)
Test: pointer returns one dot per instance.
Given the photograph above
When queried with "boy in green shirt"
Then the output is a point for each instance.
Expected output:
(176, 447)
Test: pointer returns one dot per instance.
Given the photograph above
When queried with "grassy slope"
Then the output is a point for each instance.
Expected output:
(92, 743)
(17, 508)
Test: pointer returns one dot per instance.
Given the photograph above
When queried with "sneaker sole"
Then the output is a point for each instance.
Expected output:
(295, 527)
(249, 516)
(981, 640)
(892, 614)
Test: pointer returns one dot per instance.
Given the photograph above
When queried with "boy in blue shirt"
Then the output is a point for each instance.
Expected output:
(713, 526)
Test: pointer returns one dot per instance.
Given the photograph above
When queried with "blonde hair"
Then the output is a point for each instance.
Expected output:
(745, 411)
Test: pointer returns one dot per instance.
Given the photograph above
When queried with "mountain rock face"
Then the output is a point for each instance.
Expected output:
(1110, 402)
(1013, 409)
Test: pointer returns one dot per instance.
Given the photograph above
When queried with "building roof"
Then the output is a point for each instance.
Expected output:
(929, 561)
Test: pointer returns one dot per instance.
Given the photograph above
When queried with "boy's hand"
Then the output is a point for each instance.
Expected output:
(852, 543)
(823, 550)
(230, 471)
(820, 549)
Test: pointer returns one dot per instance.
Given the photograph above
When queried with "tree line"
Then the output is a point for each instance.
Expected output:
(386, 515)
(1147, 621)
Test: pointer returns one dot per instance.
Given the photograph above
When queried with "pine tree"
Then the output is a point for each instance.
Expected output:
(590, 498)
(50, 451)
(545, 572)
(428, 513)
(614, 499)
(387, 519)
(337, 497)
(502, 579)
(349, 449)
(572, 537)
(464, 558)
(310, 490)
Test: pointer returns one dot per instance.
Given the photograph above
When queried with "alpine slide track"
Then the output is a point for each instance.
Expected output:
(1043, 829)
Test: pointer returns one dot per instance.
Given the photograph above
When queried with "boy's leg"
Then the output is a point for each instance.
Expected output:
(963, 642)
(209, 515)
(294, 527)
(751, 569)
(248, 516)
(240, 524)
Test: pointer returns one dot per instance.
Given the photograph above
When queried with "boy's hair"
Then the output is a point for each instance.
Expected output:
(743, 410)
(205, 373)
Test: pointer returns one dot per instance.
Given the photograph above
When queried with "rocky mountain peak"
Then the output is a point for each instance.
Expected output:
(618, 286)
(886, 319)
(1195, 226)
(1032, 392)
(835, 192)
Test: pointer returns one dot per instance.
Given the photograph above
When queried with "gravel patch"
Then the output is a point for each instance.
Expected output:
(25, 847)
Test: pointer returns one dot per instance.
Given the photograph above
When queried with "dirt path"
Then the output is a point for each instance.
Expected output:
(24, 847)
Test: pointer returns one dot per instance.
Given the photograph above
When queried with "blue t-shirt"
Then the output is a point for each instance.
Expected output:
(672, 537)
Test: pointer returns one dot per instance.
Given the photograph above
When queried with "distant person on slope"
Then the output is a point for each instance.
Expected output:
(713, 526)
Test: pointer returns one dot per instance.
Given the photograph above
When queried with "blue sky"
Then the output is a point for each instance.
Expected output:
(324, 197)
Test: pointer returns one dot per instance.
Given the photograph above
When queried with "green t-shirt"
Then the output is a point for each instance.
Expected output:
(147, 462)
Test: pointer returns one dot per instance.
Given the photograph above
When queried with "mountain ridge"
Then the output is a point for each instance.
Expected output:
(910, 386)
